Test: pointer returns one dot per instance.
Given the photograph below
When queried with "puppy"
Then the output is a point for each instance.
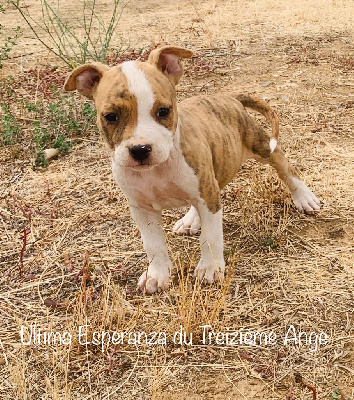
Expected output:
(167, 155)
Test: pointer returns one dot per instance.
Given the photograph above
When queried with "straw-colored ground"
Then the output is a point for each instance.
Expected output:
(83, 253)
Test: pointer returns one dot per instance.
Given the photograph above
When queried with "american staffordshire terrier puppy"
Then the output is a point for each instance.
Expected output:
(167, 155)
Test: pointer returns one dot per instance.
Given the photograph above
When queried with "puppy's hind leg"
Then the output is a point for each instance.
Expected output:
(302, 196)
(266, 150)
(189, 224)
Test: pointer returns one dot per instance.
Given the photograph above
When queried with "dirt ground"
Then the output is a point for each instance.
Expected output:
(83, 253)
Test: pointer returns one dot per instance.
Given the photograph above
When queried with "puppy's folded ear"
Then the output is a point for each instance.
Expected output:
(85, 79)
(167, 60)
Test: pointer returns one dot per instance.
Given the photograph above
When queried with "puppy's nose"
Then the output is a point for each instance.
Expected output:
(140, 152)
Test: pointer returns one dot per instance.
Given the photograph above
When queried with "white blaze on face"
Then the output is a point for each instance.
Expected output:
(141, 89)
(148, 131)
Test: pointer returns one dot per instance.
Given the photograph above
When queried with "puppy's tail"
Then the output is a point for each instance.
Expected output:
(263, 108)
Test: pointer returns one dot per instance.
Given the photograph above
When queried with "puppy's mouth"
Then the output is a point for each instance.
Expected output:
(141, 165)
(138, 165)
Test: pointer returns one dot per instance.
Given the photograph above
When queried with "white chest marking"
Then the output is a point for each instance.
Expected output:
(168, 185)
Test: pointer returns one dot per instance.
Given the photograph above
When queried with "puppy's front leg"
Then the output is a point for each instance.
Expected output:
(211, 265)
(157, 276)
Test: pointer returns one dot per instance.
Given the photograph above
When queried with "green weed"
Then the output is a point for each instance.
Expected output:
(10, 128)
(53, 120)
(63, 120)
(62, 144)
(269, 242)
(40, 160)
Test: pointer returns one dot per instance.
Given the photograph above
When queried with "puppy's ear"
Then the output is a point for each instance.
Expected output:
(167, 60)
(85, 79)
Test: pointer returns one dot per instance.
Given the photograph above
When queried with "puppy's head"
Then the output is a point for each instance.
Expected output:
(136, 104)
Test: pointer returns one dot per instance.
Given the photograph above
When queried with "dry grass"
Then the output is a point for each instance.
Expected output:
(83, 253)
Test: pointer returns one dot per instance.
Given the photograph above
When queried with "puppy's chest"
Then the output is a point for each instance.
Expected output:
(171, 185)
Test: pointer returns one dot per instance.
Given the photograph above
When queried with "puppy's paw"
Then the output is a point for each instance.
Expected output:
(189, 224)
(152, 281)
(210, 273)
(304, 199)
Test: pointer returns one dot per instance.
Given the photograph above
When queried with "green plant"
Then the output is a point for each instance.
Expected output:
(269, 242)
(30, 106)
(10, 128)
(62, 144)
(48, 133)
(40, 160)
(40, 136)
(54, 120)
(63, 38)
(60, 120)
(10, 41)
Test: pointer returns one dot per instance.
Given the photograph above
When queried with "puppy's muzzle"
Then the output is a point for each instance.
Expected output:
(140, 152)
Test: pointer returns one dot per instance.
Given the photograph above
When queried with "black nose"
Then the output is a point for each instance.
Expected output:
(140, 152)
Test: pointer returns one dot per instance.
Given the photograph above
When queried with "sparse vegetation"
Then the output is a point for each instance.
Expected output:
(54, 121)
(9, 41)
(269, 243)
(11, 129)
(75, 42)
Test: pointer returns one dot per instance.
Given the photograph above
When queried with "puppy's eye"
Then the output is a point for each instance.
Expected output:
(163, 112)
(111, 118)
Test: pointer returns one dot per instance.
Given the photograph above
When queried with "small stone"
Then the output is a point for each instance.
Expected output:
(50, 153)
(265, 84)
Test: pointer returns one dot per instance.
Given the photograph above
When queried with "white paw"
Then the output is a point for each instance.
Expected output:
(154, 280)
(189, 224)
(209, 273)
(304, 199)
